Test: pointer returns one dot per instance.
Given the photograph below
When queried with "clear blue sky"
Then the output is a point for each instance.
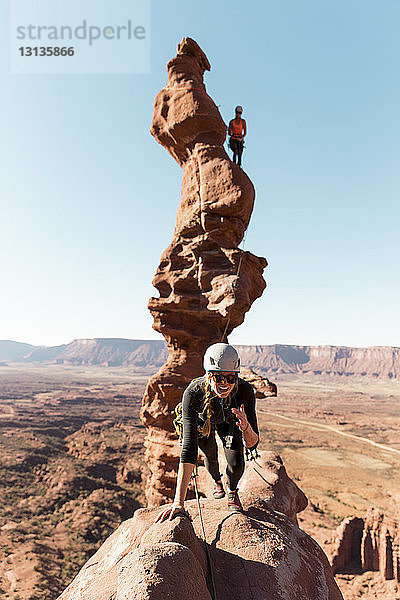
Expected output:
(88, 198)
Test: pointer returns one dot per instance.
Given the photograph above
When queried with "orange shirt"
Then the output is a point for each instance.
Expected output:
(237, 128)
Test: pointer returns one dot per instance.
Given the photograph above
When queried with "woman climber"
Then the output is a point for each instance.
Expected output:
(219, 401)
(237, 130)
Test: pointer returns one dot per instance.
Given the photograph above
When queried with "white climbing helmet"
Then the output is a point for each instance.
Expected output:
(221, 357)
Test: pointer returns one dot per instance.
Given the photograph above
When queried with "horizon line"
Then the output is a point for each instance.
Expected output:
(151, 340)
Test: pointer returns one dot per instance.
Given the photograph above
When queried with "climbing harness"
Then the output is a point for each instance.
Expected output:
(194, 478)
(228, 143)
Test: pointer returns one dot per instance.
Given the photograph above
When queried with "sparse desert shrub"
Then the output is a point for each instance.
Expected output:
(331, 494)
(6, 549)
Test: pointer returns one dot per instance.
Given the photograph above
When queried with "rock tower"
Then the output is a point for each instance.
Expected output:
(206, 283)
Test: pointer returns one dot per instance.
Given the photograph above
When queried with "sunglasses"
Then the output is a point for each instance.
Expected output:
(219, 378)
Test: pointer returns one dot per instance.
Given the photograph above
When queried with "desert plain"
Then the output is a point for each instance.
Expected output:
(71, 461)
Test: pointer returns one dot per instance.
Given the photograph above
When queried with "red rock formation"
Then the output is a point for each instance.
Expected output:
(347, 550)
(258, 554)
(380, 545)
(263, 387)
(206, 283)
(369, 544)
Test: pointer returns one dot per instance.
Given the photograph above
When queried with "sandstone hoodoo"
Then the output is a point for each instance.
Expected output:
(206, 283)
(260, 553)
(368, 544)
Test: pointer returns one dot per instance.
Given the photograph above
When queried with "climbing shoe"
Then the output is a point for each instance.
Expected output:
(234, 503)
(219, 491)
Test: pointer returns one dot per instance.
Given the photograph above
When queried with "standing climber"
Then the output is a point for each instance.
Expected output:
(237, 130)
(221, 402)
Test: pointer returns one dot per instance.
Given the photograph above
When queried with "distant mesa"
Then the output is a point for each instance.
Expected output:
(373, 361)
(14, 351)
(108, 352)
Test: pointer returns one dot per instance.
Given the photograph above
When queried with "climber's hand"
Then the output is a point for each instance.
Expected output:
(169, 512)
(242, 421)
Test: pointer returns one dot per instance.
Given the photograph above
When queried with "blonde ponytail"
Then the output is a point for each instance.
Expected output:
(207, 408)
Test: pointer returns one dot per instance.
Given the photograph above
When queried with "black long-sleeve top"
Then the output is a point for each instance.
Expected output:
(192, 409)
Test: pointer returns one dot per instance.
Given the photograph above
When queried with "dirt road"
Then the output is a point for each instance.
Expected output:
(322, 426)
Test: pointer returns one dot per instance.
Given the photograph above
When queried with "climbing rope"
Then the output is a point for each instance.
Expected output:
(262, 477)
(232, 286)
(194, 478)
(178, 422)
